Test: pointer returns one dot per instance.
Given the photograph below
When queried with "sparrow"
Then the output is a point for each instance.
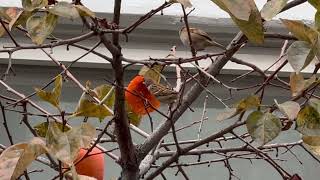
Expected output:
(200, 39)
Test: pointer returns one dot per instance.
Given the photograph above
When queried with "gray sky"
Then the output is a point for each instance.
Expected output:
(204, 8)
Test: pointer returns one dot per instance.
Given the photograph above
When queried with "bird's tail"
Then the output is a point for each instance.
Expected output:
(213, 43)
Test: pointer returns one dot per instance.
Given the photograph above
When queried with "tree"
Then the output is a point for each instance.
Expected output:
(61, 142)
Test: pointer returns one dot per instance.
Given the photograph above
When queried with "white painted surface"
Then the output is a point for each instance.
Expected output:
(204, 8)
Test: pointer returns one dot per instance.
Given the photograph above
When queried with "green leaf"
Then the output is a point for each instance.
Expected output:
(52, 97)
(89, 108)
(263, 127)
(243, 105)
(42, 128)
(289, 108)
(16, 158)
(30, 5)
(272, 8)
(84, 11)
(300, 30)
(153, 72)
(252, 26)
(65, 9)
(300, 55)
(65, 146)
(39, 28)
(308, 121)
(315, 3)
(20, 19)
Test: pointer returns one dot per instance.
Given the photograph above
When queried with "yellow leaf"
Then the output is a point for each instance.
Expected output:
(300, 30)
(153, 72)
(311, 140)
(30, 5)
(89, 108)
(243, 105)
(21, 18)
(84, 11)
(52, 97)
(42, 128)
(312, 143)
(39, 28)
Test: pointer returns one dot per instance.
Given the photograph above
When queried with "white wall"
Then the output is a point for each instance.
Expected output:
(204, 8)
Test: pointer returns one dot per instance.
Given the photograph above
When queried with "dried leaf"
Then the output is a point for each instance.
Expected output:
(317, 20)
(300, 55)
(263, 127)
(312, 143)
(35, 148)
(300, 30)
(9, 159)
(21, 18)
(65, 9)
(227, 113)
(272, 8)
(308, 121)
(298, 84)
(89, 108)
(66, 145)
(289, 108)
(315, 3)
(7, 14)
(16, 158)
(315, 103)
(39, 28)
(185, 3)
(52, 97)
(84, 11)
(42, 128)
(252, 26)
(243, 105)
(30, 5)
(311, 140)
(239, 9)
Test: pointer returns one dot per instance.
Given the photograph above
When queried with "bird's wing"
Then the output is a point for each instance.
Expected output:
(200, 33)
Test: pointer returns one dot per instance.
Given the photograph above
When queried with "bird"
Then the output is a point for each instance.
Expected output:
(139, 98)
(163, 93)
(200, 39)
